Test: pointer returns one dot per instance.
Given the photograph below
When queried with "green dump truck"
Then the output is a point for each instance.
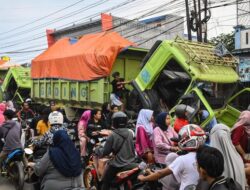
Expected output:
(17, 84)
(171, 73)
(74, 95)
(195, 74)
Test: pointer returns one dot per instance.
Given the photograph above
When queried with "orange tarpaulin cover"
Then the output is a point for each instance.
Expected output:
(90, 58)
(2, 62)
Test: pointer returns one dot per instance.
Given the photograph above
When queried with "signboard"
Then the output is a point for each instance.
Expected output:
(5, 58)
(244, 69)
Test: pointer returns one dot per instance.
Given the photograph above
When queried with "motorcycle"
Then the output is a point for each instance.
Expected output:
(13, 168)
(94, 172)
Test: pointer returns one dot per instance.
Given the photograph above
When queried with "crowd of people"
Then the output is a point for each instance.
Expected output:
(184, 157)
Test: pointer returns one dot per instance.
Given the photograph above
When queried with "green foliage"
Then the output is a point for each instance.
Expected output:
(226, 39)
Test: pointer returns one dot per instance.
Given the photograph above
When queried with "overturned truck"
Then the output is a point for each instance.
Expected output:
(196, 74)
(171, 73)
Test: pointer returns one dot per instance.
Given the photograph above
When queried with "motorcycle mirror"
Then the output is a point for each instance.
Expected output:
(28, 151)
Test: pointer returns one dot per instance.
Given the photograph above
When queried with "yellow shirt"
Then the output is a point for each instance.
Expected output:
(42, 128)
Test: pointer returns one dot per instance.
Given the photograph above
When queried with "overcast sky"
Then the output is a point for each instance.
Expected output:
(16, 13)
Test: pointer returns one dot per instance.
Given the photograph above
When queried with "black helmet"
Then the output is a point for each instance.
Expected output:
(119, 120)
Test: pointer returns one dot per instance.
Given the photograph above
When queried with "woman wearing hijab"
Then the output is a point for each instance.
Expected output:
(241, 134)
(82, 126)
(233, 164)
(60, 167)
(10, 106)
(162, 138)
(2, 109)
(144, 135)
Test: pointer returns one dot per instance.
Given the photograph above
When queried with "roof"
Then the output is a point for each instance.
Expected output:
(78, 26)
(20, 74)
(154, 19)
(241, 51)
(197, 59)
(90, 58)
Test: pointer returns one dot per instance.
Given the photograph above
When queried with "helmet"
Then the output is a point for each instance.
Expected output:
(56, 118)
(181, 109)
(191, 137)
(119, 120)
(28, 100)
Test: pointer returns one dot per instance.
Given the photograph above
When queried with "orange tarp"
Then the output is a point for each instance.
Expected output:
(2, 62)
(90, 58)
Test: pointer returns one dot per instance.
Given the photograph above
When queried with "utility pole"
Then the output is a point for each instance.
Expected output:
(188, 21)
(205, 24)
(197, 21)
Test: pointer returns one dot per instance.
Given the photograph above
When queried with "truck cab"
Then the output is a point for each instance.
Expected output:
(192, 73)
(17, 84)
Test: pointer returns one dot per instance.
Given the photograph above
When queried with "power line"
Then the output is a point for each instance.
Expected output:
(60, 10)
(41, 36)
(54, 20)
(36, 38)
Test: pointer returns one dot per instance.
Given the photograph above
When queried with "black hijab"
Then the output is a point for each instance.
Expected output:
(161, 121)
(64, 155)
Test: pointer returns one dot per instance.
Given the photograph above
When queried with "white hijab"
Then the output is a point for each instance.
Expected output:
(143, 120)
(220, 137)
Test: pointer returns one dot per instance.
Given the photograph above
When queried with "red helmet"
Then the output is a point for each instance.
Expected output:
(191, 137)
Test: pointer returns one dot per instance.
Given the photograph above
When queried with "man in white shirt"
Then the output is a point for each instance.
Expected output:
(184, 168)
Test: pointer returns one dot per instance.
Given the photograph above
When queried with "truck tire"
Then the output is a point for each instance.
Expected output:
(151, 51)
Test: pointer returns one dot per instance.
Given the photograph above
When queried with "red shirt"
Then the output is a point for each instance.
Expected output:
(179, 123)
(239, 137)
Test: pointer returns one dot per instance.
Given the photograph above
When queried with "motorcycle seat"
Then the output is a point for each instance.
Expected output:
(15, 155)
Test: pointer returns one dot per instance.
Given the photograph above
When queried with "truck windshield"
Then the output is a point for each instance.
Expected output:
(217, 94)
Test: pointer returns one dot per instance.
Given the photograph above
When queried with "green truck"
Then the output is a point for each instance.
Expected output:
(17, 84)
(171, 73)
(195, 74)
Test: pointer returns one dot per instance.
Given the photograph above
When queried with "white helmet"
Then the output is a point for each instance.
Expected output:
(56, 117)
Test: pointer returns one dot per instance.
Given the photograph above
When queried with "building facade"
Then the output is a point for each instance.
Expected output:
(242, 52)
(144, 33)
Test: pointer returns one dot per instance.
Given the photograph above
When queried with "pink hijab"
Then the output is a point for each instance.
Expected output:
(244, 120)
(2, 109)
(85, 118)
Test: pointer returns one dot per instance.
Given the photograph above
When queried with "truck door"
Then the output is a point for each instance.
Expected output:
(231, 111)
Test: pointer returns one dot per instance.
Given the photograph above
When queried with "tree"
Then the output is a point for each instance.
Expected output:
(226, 39)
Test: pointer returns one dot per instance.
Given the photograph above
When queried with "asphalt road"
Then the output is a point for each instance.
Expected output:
(5, 184)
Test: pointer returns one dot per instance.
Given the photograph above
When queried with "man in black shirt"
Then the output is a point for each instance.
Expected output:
(119, 89)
